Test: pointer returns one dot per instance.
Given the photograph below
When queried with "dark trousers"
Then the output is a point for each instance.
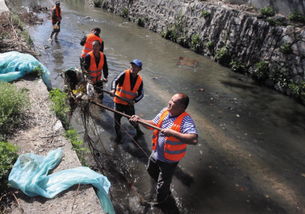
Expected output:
(127, 109)
(162, 173)
(55, 31)
(98, 87)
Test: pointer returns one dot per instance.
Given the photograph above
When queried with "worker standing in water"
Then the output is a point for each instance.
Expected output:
(56, 20)
(169, 145)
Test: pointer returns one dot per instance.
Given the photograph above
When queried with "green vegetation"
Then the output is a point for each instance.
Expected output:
(196, 43)
(8, 157)
(13, 103)
(210, 45)
(125, 12)
(286, 48)
(280, 76)
(267, 11)
(261, 71)
(297, 17)
(223, 56)
(205, 14)
(17, 21)
(78, 145)
(141, 22)
(175, 32)
(277, 21)
(297, 89)
(60, 105)
(26, 36)
(237, 67)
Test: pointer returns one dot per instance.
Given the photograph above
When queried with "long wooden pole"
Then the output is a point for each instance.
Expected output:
(124, 115)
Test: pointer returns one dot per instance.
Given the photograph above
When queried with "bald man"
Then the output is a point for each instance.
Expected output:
(169, 145)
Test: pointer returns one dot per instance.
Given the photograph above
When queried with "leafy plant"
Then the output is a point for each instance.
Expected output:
(17, 21)
(125, 12)
(205, 14)
(297, 17)
(78, 145)
(210, 45)
(297, 89)
(175, 31)
(13, 103)
(26, 36)
(223, 56)
(196, 43)
(60, 105)
(286, 48)
(261, 71)
(237, 67)
(267, 11)
(8, 157)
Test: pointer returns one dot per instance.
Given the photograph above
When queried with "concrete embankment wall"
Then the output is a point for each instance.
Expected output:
(271, 50)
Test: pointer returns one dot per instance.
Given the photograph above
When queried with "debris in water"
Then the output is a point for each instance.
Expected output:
(187, 62)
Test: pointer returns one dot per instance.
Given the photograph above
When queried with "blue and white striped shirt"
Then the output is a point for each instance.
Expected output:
(187, 127)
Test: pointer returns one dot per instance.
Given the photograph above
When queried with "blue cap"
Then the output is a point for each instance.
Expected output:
(137, 62)
(57, 3)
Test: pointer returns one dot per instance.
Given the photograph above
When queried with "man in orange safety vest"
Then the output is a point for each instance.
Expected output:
(169, 145)
(94, 63)
(87, 41)
(56, 19)
(127, 89)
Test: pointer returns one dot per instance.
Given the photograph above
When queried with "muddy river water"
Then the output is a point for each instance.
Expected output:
(251, 154)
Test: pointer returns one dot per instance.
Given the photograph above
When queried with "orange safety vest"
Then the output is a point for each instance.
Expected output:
(174, 150)
(57, 12)
(125, 91)
(95, 73)
(91, 37)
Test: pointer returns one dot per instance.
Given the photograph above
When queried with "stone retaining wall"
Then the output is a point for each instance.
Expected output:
(271, 50)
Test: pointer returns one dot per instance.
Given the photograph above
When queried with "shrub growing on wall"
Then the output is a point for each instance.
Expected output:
(267, 11)
(223, 56)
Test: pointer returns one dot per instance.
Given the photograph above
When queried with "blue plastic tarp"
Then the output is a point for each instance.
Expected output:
(14, 65)
(30, 175)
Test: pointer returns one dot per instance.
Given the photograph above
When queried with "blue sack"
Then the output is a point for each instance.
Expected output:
(14, 65)
(30, 175)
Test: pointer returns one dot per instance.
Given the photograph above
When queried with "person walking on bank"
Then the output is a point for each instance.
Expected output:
(129, 86)
(56, 19)
(87, 43)
(169, 144)
(94, 62)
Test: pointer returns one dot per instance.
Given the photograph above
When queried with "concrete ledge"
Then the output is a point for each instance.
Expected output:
(3, 6)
